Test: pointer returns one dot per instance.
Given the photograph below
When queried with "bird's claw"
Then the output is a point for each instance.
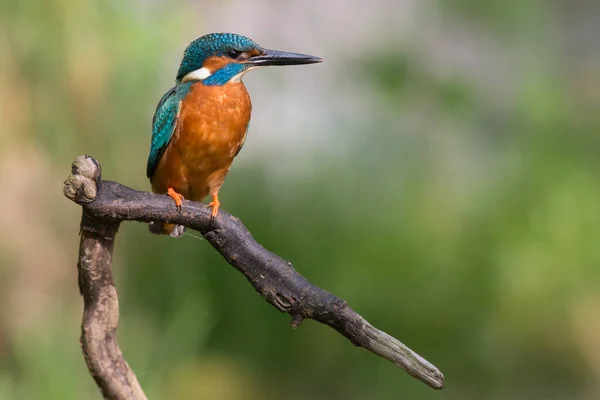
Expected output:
(178, 197)
(215, 204)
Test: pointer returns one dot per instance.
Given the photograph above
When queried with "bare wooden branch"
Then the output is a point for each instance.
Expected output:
(101, 304)
(105, 204)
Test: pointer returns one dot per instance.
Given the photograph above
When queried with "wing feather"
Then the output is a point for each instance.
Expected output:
(163, 124)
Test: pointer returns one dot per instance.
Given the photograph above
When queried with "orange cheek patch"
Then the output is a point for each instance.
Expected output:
(215, 63)
(254, 53)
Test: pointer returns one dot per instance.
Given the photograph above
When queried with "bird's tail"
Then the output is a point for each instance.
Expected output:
(160, 228)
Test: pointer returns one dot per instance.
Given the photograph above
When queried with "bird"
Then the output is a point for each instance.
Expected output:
(200, 124)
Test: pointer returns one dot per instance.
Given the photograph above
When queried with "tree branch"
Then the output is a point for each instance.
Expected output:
(105, 204)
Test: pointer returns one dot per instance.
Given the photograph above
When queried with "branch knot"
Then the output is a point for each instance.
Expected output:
(82, 185)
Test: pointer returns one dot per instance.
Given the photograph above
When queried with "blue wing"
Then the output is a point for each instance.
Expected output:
(163, 124)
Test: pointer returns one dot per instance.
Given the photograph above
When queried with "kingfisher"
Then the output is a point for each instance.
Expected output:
(200, 124)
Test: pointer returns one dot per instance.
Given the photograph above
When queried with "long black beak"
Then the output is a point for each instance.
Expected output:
(274, 57)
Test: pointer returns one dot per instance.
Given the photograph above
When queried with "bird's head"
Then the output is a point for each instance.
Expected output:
(219, 58)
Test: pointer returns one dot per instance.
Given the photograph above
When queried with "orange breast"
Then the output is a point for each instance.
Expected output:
(210, 130)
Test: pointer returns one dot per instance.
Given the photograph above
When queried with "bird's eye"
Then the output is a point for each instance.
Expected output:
(234, 54)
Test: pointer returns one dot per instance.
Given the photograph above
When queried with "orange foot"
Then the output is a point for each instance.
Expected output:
(215, 204)
(175, 196)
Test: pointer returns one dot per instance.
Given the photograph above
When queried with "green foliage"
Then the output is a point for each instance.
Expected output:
(460, 218)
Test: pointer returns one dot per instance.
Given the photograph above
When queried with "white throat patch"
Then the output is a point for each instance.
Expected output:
(199, 74)
(238, 77)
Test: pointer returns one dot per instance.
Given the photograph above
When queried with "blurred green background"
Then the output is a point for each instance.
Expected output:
(439, 171)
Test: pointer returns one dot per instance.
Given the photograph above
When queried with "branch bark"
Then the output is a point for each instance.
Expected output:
(105, 204)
